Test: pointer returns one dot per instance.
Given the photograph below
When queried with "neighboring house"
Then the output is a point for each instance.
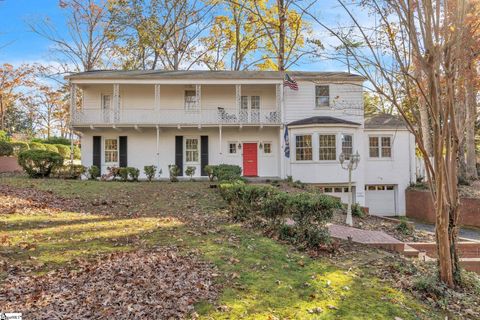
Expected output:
(247, 118)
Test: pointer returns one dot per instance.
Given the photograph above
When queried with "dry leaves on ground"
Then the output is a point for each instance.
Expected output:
(29, 200)
(158, 284)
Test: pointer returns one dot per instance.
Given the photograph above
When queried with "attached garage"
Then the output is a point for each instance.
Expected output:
(381, 199)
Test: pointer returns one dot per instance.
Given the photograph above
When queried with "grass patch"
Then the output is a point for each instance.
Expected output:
(261, 278)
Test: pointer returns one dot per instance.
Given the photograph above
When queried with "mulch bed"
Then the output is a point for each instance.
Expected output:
(159, 284)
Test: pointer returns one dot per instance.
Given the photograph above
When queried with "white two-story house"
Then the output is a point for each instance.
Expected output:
(247, 118)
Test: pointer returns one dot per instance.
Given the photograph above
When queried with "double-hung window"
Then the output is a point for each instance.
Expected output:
(347, 145)
(191, 150)
(380, 147)
(191, 100)
(322, 96)
(327, 147)
(111, 150)
(267, 148)
(232, 148)
(303, 147)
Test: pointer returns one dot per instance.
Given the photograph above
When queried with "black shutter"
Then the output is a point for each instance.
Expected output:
(97, 151)
(203, 154)
(179, 153)
(123, 151)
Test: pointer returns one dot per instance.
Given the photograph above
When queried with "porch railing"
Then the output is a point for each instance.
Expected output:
(176, 116)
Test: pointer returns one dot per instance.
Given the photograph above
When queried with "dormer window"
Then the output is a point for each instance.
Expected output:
(322, 96)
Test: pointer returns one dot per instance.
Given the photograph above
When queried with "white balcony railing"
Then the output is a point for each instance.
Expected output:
(176, 116)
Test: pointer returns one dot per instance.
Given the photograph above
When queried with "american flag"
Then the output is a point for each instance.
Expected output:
(290, 82)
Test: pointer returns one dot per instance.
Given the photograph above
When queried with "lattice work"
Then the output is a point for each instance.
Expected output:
(116, 103)
(198, 96)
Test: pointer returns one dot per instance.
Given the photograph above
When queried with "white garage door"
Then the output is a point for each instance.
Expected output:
(380, 199)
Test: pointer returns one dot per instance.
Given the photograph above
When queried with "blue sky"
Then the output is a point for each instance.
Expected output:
(19, 45)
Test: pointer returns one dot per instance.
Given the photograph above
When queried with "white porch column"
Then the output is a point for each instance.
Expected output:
(116, 103)
(220, 142)
(156, 103)
(198, 96)
(73, 111)
(238, 97)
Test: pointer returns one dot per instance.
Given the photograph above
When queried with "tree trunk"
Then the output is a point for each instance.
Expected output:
(281, 35)
(471, 158)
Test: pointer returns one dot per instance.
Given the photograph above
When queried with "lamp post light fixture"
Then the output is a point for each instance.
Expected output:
(349, 163)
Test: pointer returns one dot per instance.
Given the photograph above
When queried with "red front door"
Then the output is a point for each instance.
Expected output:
(250, 160)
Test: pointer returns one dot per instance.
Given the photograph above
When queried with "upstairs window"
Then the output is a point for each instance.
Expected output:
(106, 101)
(111, 150)
(327, 147)
(303, 147)
(191, 150)
(347, 145)
(191, 100)
(380, 147)
(322, 96)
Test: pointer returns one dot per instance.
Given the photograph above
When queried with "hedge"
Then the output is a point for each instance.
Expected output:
(6, 149)
(63, 150)
(19, 146)
(37, 146)
(51, 147)
(309, 211)
(39, 163)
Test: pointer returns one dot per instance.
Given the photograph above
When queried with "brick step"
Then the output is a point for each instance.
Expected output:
(410, 252)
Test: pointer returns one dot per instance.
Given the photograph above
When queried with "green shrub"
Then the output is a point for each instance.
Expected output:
(210, 170)
(19, 146)
(93, 172)
(245, 199)
(357, 211)
(174, 171)
(53, 140)
(403, 227)
(275, 208)
(133, 173)
(37, 146)
(190, 171)
(310, 208)
(430, 285)
(6, 149)
(69, 171)
(51, 147)
(227, 172)
(39, 163)
(4, 136)
(123, 173)
(63, 150)
(287, 232)
(77, 153)
(150, 172)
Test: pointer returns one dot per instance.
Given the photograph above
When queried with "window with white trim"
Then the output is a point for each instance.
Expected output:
(232, 148)
(191, 150)
(347, 145)
(303, 147)
(191, 100)
(327, 147)
(111, 150)
(322, 96)
(106, 101)
(380, 147)
(267, 148)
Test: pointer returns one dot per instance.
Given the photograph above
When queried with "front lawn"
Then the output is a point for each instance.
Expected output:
(259, 278)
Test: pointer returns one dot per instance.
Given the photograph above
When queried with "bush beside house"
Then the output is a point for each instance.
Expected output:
(39, 163)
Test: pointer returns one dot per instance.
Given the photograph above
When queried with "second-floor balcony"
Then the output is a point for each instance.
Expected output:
(170, 105)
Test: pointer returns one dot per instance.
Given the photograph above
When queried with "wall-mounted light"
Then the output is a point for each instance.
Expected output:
(239, 146)
(260, 146)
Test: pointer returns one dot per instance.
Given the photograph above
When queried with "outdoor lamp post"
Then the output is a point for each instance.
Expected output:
(350, 165)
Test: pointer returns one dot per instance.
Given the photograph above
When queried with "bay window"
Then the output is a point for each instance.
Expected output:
(303, 147)
(327, 147)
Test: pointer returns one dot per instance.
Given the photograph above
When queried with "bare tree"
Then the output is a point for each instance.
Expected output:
(88, 36)
(423, 34)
